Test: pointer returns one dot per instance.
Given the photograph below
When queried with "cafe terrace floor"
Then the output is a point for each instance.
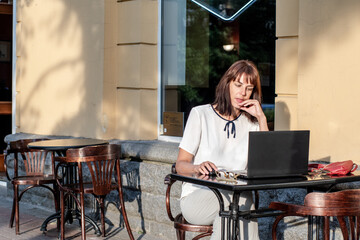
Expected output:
(32, 217)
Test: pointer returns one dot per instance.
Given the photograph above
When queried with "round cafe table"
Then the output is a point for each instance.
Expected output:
(66, 143)
(59, 146)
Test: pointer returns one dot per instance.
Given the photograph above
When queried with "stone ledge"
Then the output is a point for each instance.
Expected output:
(152, 150)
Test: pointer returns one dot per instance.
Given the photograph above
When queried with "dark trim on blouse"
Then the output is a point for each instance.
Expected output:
(228, 123)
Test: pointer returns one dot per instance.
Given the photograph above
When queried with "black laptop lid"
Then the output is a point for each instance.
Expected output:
(278, 153)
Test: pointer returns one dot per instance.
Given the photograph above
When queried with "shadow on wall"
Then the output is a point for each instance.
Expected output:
(130, 175)
(281, 109)
(63, 73)
(61, 83)
(323, 160)
(133, 183)
(85, 121)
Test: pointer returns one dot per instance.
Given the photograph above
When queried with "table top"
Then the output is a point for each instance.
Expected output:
(64, 144)
(268, 183)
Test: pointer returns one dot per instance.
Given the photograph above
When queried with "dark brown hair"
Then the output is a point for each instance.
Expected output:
(222, 101)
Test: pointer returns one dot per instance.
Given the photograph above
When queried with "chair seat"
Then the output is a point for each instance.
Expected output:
(33, 180)
(181, 223)
(88, 187)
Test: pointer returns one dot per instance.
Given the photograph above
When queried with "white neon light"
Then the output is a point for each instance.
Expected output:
(210, 9)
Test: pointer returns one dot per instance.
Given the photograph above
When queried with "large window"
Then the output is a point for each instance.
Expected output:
(198, 47)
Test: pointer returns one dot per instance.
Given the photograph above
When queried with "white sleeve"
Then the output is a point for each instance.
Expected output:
(192, 133)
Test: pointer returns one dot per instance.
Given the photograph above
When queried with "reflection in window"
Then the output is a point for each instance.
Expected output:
(198, 47)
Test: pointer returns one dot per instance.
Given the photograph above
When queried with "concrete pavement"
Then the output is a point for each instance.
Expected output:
(31, 218)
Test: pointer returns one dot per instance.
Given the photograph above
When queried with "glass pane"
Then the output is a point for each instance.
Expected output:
(198, 47)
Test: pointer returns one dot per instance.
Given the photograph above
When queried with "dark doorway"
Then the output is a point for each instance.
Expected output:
(6, 14)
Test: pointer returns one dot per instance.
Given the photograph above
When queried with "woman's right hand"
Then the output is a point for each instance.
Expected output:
(205, 168)
(184, 164)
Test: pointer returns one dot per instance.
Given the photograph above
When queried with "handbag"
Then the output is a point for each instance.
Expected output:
(335, 168)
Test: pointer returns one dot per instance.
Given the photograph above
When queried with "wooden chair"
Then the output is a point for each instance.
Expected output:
(34, 175)
(342, 205)
(180, 224)
(103, 162)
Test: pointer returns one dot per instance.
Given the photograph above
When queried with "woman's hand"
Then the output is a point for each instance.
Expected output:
(184, 164)
(205, 168)
(253, 107)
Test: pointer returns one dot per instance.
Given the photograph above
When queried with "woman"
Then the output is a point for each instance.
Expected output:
(216, 137)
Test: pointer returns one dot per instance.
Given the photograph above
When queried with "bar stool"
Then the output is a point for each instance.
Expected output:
(343, 204)
(103, 163)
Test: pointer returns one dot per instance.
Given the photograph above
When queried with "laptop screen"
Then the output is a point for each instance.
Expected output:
(278, 153)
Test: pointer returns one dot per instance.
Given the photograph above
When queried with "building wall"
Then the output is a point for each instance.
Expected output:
(87, 68)
(137, 75)
(317, 65)
(286, 63)
(60, 65)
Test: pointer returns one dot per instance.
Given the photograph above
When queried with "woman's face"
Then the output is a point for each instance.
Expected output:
(240, 90)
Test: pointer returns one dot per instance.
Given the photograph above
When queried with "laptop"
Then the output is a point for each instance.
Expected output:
(277, 154)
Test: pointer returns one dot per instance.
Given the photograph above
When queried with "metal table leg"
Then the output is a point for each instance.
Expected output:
(69, 173)
(231, 216)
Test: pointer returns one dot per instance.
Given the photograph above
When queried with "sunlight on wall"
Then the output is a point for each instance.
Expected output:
(61, 70)
(328, 72)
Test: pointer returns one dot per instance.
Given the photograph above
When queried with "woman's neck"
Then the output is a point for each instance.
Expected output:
(232, 117)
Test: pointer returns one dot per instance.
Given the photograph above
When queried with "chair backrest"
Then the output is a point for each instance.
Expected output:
(101, 161)
(342, 203)
(34, 160)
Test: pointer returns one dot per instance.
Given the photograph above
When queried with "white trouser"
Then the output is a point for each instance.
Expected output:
(202, 207)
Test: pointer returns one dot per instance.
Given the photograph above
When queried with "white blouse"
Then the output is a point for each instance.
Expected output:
(209, 137)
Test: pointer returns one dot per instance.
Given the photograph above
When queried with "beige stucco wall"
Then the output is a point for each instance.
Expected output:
(324, 63)
(286, 72)
(60, 59)
(87, 68)
(137, 75)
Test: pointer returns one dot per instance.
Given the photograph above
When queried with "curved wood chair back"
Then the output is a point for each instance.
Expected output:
(34, 176)
(34, 160)
(103, 162)
(343, 205)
